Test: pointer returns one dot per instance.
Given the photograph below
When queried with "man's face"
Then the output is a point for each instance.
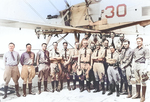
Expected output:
(95, 36)
(44, 47)
(121, 37)
(11, 47)
(28, 48)
(103, 37)
(126, 45)
(112, 49)
(86, 36)
(97, 47)
(77, 45)
(112, 35)
(105, 43)
(139, 42)
(85, 43)
(65, 45)
(55, 45)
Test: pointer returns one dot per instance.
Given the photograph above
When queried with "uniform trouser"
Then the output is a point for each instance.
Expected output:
(11, 72)
(86, 68)
(66, 72)
(27, 73)
(55, 71)
(138, 71)
(44, 71)
(113, 74)
(74, 70)
(106, 75)
(99, 71)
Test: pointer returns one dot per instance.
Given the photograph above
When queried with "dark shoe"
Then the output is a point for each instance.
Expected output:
(68, 85)
(81, 86)
(17, 90)
(110, 92)
(88, 86)
(24, 90)
(52, 86)
(39, 87)
(57, 87)
(5, 90)
(30, 89)
(45, 86)
(138, 88)
(143, 94)
(117, 87)
(103, 88)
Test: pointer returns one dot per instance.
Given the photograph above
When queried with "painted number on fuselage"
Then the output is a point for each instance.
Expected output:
(112, 12)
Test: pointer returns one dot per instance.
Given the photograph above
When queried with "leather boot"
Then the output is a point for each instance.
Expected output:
(74, 85)
(45, 86)
(103, 87)
(96, 87)
(138, 89)
(110, 88)
(17, 90)
(117, 87)
(88, 86)
(143, 94)
(24, 90)
(30, 89)
(5, 90)
(68, 85)
(130, 92)
(61, 84)
(121, 85)
(57, 87)
(82, 86)
(52, 86)
(39, 87)
(113, 87)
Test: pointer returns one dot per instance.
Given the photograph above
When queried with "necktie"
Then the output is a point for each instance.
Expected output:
(111, 55)
(29, 54)
(97, 53)
(65, 53)
(105, 51)
(124, 53)
(85, 52)
(45, 55)
(12, 56)
(113, 43)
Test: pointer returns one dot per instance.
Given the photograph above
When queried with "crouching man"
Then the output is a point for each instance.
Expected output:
(43, 63)
(11, 60)
(28, 70)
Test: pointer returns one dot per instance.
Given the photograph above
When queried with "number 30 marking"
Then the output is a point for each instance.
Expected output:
(112, 11)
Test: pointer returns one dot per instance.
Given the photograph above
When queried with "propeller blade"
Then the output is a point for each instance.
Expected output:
(67, 3)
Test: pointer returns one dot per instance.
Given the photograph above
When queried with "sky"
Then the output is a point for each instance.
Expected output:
(23, 10)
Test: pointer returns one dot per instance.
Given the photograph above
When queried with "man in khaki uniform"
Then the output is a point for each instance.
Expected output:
(66, 65)
(126, 60)
(98, 67)
(56, 70)
(113, 75)
(11, 61)
(42, 61)
(75, 54)
(86, 37)
(84, 61)
(28, 70)
(141, 57)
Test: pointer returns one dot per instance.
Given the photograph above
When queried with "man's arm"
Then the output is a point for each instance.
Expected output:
(37, 59)
(18, 58)
(22, 59)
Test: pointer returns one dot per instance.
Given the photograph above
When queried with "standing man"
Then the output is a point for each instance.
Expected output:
(66, 65)
(75, 54)
(126, 59)
(112, 40)
(141, 56)
(113, 74)
(43, 63)
(55, 65)
(84, 61)
(86, 37)
(119, 42)
(11, 61)
(98, 67)
(28, 70)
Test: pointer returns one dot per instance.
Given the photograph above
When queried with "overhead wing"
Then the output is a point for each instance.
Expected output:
(46, 28)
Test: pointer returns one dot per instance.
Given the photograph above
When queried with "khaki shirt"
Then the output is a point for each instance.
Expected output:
(40, 57)
(68, 55)
(82, 57)
(53, 54)
(126, 57)
(140, 55)
(113, 60)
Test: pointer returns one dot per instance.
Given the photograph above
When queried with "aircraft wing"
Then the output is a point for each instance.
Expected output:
(46, 28)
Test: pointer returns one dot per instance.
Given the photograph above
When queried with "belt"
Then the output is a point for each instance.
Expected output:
(85, 62)
(28, 65)
(98, 61)
(114, 65)
(11, 65)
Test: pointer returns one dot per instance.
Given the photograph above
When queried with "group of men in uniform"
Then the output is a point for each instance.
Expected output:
(109, 61)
